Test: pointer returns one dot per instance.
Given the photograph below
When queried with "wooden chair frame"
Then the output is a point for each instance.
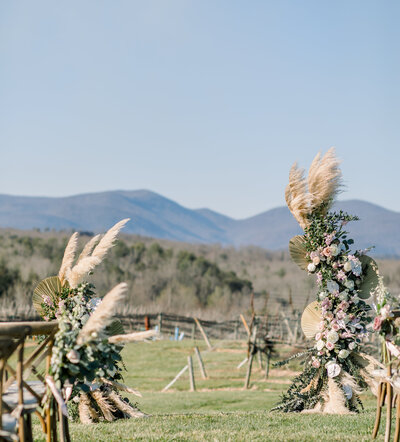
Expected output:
(30, 366)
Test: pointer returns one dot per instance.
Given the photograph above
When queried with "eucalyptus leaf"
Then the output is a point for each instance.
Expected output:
(370, 277)
(298, 251)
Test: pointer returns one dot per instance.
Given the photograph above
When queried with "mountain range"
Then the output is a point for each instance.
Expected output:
(156, 216)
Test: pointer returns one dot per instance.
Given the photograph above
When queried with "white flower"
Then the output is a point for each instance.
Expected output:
(332, 337)
(311, 267)
(349, 284)
(386, 311)
(320, 345)
(335, 250)
(73, 356)
(333, 369)
(352, 345)
(323, 295)
(316, 260)
(343, 354)
(94, 335)
(347, 266)
(332, 286)
(343, 296)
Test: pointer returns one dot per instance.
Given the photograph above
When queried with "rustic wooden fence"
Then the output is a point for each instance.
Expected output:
(282, 327)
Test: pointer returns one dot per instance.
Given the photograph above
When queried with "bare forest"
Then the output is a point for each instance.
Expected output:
(211, 281)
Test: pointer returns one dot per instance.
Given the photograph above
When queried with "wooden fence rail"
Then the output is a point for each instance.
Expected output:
(284, 327)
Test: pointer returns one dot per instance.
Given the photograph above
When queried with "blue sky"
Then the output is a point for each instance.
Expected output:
(206, 102)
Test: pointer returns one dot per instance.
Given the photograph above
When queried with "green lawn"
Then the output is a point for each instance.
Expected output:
(220, 409)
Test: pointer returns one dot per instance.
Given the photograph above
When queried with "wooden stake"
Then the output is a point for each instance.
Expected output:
(200, 360)
(245, 324)
(388, 412)
(176, 378)
(259, 355)
(191, 374)
(267, 364)
(378, 409)
(248, 374)
(243, 362)
(397, 431)
(203, 332)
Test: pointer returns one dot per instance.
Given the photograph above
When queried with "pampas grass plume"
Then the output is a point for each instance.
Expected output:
(87, 250)
(87, 263)
(104, 313)
(69, 256)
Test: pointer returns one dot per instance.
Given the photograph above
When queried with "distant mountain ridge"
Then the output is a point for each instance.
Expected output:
(156, 216)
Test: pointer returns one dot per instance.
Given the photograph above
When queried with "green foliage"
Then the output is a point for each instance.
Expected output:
(81, 364)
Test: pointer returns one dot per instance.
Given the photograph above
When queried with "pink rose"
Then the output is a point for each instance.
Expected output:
(316, 363)
(335, 327)
(318, 336)
(377, 323)
(327, 252)
(330, 346)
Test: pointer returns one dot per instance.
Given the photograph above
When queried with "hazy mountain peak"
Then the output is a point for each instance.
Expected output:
(156, 216)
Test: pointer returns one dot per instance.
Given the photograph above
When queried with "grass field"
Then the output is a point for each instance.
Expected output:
(220, 410)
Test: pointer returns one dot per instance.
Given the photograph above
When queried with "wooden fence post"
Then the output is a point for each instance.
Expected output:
(203, 332)
(191, 374)
(236, 329)
(193, 330)
(159, 322)
(248, 374)
(200, 360)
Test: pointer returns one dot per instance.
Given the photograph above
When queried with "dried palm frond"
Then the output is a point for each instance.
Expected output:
(106, 408)
(69, 256)
(87, 414)
(87, 250)
(132, 337)
(324, 181)
(104, 313)
(87, 263)
(297, 198)
(121, 387)
(123, 406)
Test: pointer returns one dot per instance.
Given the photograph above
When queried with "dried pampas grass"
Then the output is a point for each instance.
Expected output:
(318, 192)
(324, 180)
(87, 250)
(132, 337)
(123, 406)
(297, 198)
(88, 260)
(106, 408)
(121, 387)
(104, 313)
(87, 414)
(335, 401)
(69, 256)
